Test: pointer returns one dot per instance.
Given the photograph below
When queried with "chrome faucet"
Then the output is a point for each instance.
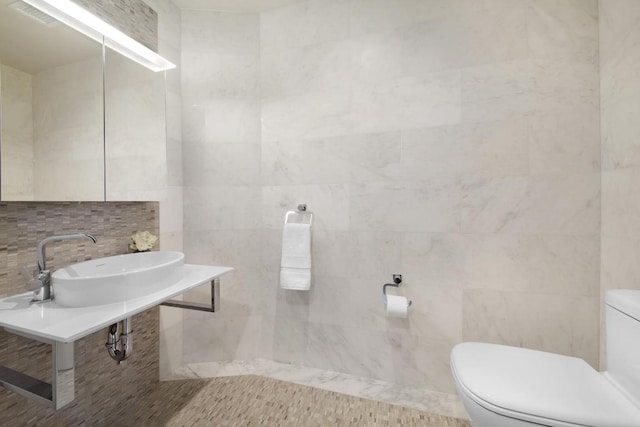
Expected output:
(41, 284)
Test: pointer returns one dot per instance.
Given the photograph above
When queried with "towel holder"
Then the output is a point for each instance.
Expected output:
(301, 216)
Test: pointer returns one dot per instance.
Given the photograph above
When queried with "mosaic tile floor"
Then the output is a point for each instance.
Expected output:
(251, 400)
(421, 399)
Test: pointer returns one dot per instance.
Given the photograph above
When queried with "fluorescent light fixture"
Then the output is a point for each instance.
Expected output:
(78, 18)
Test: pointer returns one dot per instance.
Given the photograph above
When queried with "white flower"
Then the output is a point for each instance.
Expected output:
(142, 241)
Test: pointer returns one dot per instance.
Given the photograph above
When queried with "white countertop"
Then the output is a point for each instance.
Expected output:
(51, 322)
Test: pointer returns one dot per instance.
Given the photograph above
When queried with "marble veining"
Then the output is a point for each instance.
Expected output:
(453, 141)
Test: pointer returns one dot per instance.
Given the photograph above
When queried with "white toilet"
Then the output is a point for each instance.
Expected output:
(503, 386)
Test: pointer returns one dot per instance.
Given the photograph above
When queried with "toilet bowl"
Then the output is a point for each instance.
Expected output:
(502, 386)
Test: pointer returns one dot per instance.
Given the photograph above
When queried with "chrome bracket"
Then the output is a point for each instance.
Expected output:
(215, 300)
(58, 393)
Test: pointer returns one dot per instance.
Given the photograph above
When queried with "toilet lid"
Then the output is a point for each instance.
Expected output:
(540, 387)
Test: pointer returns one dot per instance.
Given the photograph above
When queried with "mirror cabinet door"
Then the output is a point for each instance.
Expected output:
(51, 105)
(135, 130)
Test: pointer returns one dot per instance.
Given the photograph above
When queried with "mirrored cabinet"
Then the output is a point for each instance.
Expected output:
(78, 121)
(135, 130)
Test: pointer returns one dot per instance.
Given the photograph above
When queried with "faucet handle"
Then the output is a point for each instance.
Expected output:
(38, 280)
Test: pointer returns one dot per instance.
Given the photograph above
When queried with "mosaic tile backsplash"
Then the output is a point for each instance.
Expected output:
(133, 17)
(101, 385)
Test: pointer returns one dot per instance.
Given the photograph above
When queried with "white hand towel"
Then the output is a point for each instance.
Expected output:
(295, 266)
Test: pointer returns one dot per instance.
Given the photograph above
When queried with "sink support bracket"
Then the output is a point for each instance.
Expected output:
(215, 300)
(56, 394)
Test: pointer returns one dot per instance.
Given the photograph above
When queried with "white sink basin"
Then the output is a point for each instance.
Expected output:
(115, 279)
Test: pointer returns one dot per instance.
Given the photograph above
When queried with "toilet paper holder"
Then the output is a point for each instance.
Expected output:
(397, 279)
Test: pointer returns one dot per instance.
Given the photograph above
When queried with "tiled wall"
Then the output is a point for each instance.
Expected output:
(133, 17)
(103, 389)
(455, 142)
(222, 194)
(620, 97)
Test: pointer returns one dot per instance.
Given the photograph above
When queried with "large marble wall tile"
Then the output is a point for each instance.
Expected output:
(435, 312)
(172, 211)
(432, 46)
(620, 127)
(289, 338)
(566, 205)
(619, 35)
(221, 208)
(219, 32)
(231, 120)
(220, 74)
(563, 29)
(564, 142)
(272, 248)
(373, 254)
(221, 164)
(243, 340)
(331, 301)
(369, 16)
(375, 157)
(410, 102)
(621, 203)
(429, 100)
(480, 149)
(493, 31)
(565, 265)
(559, 324)
(423, 362)
(193, 119)
(311, 115)
(295, 71)
(305, 162)
(620, 267)
(505, 90)
(211, 337)
(376, 57)
(331, 252)
(174, 163)
(405, 206)
(305, 23)
(293, 304)
(367, 311)
(342, 349)
(236, 248)
(350, 158)
(202, 344)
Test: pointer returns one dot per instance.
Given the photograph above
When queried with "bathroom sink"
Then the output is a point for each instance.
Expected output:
(115, 279)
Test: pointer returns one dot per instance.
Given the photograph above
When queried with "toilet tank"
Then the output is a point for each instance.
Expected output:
(622, 311)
